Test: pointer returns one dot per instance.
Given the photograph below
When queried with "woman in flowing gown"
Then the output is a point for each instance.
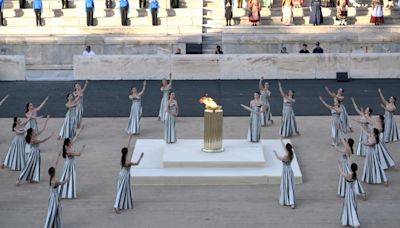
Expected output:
(349, 216)
(170, 119)
(344, 116)
(287, 187)
(165, 89)
(391, 133)
(336, 127)
(288, 123)
(364, 116)
(136, 110)
(68, 129)
(123, 198)
(265, 95)
(31, 113)
(78, 93)
(256, 108)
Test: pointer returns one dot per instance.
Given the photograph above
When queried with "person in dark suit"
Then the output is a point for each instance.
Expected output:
(89, 5)
(124, 8)
(64, 4)
(21, 4)
(38, 7)
(304, 50)
(142, 4)
(228, 12)
(154, 11)
(317, 48)
(174, 3)
(108, 4)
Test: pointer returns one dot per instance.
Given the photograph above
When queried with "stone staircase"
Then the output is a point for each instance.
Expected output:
(213, 20)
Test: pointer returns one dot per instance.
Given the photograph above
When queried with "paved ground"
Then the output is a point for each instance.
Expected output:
(110, 98)
(193, 206)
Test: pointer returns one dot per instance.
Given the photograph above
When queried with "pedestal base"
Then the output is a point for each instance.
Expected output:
(151, 170)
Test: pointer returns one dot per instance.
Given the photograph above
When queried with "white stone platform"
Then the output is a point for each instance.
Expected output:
(227, 168)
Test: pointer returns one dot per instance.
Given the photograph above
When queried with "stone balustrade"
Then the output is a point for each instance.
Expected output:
(244, 66)
(12, 67)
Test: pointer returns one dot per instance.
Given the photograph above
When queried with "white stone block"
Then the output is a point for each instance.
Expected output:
(12, 67)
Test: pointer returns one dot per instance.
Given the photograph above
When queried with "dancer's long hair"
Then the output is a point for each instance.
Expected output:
(28, 137)
(350, 141)
(52, 172)
(376, 134)
(289, 149)
(382, 118)
(124, 152)
(64, 149)
(354, 169)
(14, 122)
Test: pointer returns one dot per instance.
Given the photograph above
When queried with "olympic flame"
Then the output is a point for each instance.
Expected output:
(209, 103)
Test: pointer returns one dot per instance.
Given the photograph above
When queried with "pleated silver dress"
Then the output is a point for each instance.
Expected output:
(31, 171)
(349, 215)
(361, 149)
(336, 127)
(254, 132)
(68, 190)
(28, 151)
(53, 219)
(32, 123)
(15, 158)
(342, 180)
(164, 102)
(392, 133)
(266, 115)
(344, 119)
(373, 171)
(288, 123)
(169, 127)
(124, 199)
(135, 116)
(287, 187)
(384, 156)
(68, 128)
(79, 112)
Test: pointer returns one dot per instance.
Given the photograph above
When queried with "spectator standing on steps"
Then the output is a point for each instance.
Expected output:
(317, 48)
(154, 11)
(89, 4)
(108, 4)
(64, 4)
(228, 12)
(124, 8)
(38, 7)
(142, 4)
(174, 4)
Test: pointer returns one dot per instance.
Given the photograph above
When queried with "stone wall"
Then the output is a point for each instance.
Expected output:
(12, 67)
(225, 67)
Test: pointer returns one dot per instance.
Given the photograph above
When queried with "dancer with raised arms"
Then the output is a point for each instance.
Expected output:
(288, 123)
(392, 133)
(78, 94)
(287, 187)
(344, 116)
(123, 199)
(68, 129)
(364, 116)
(136, 110)
(68, 190)
(336, 126)
(31, 113)
(265, 95)
(170, 119)
(256, 109)
(165, 89)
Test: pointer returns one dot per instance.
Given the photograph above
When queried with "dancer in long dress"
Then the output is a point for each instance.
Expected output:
(165, 89)
(170, 118)
(336, 126)
(349, 216)
(53, 219)
(266, 115)
(364, 116)
(288, 123)
(373, 171)
(392, 132)
(78, 93)
(287, 12)
(287, 187)
(28, 147)
(68, 129)
(31, 112)
(123, 199)
(344, 160)
(136, 110)
(31, 171)
(344, 116)
(256, 109)
(384, 156)
(68, 190)
(15, 158)
(4, 99)
(254, 7)
(316, 17)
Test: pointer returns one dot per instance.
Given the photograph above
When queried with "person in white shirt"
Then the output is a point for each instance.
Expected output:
(88, 52)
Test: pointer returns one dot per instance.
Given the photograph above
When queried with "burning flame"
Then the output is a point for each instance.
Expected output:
(209, 103)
